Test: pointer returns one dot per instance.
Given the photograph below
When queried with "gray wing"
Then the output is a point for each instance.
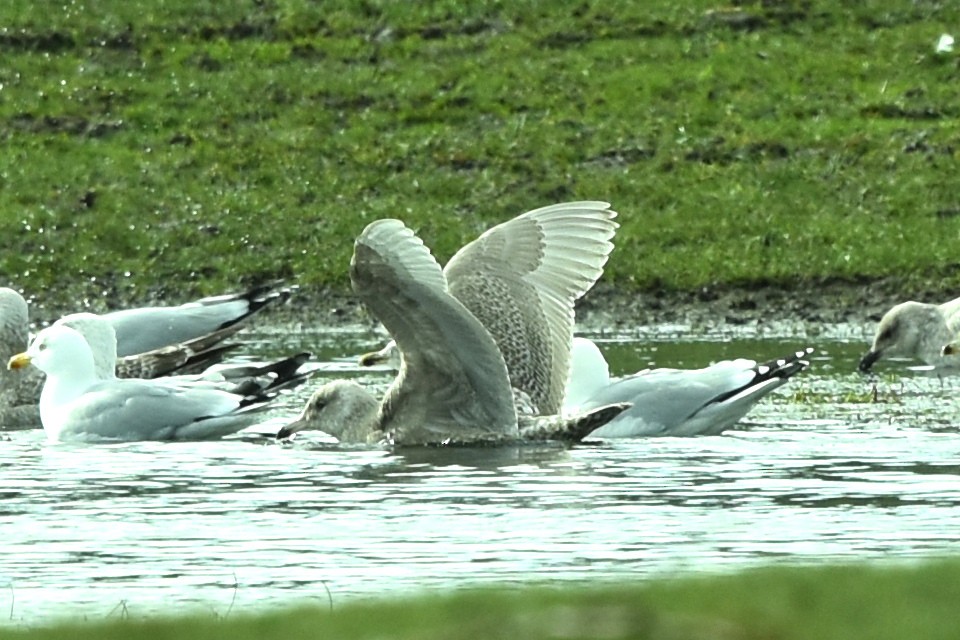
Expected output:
(148, 328)
(453, 383)
(679, 402)
(146, 410)
(521, 280)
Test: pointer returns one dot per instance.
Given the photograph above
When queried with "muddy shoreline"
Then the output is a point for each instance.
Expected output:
(610, 307)
(607, 306)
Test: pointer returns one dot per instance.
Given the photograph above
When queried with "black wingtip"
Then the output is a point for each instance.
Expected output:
(260, 297)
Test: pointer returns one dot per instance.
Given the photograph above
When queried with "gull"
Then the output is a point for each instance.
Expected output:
(674, 402)
(454, 383)
(18, 398)
(77, 405)
(19, 394)
(664, 402)
(916, 330)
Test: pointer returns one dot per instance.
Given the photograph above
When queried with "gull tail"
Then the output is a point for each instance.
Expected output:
(569, 428)
(257, 298)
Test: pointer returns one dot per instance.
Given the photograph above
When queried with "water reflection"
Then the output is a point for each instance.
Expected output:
(251, 523)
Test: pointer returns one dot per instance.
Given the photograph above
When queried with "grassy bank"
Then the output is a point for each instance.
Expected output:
(185, 147)
(842, 603)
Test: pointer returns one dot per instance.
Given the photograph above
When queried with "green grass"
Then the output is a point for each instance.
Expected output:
(185, 147)
(841, 602)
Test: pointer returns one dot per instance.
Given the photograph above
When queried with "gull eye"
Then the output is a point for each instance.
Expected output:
(42, 346)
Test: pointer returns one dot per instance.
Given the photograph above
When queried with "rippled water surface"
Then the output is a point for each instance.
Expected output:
(833, 466)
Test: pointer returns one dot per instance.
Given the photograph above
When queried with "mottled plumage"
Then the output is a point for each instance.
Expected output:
(453, 384)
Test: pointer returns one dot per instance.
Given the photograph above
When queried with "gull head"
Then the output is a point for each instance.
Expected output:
(901, 332)
(341, 408)
(100, 335)
(56, 349)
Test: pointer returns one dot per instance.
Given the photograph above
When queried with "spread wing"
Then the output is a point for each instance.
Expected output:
(521, 280)
(453, 383)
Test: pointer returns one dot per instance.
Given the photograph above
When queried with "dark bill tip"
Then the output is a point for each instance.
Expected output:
(867, 361)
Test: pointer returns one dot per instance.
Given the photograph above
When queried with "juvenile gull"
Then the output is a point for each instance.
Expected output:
(674, 402)
(916, 330)
(76, 404)
(453, 383)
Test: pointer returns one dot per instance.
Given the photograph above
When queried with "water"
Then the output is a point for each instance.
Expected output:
(819, 472)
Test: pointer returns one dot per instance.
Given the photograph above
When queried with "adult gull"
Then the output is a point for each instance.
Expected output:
(20, 392)
(76, 404)
(674, 402)
(147, 328)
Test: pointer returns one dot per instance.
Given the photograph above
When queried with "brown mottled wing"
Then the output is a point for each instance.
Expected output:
(453, 384)
(192, 356)
(521, 280)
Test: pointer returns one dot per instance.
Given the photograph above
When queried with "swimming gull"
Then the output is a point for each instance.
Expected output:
(674, 402)
(452, 385)
(75, 404)
(19, 394)
(916, 330)
(18, 399)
